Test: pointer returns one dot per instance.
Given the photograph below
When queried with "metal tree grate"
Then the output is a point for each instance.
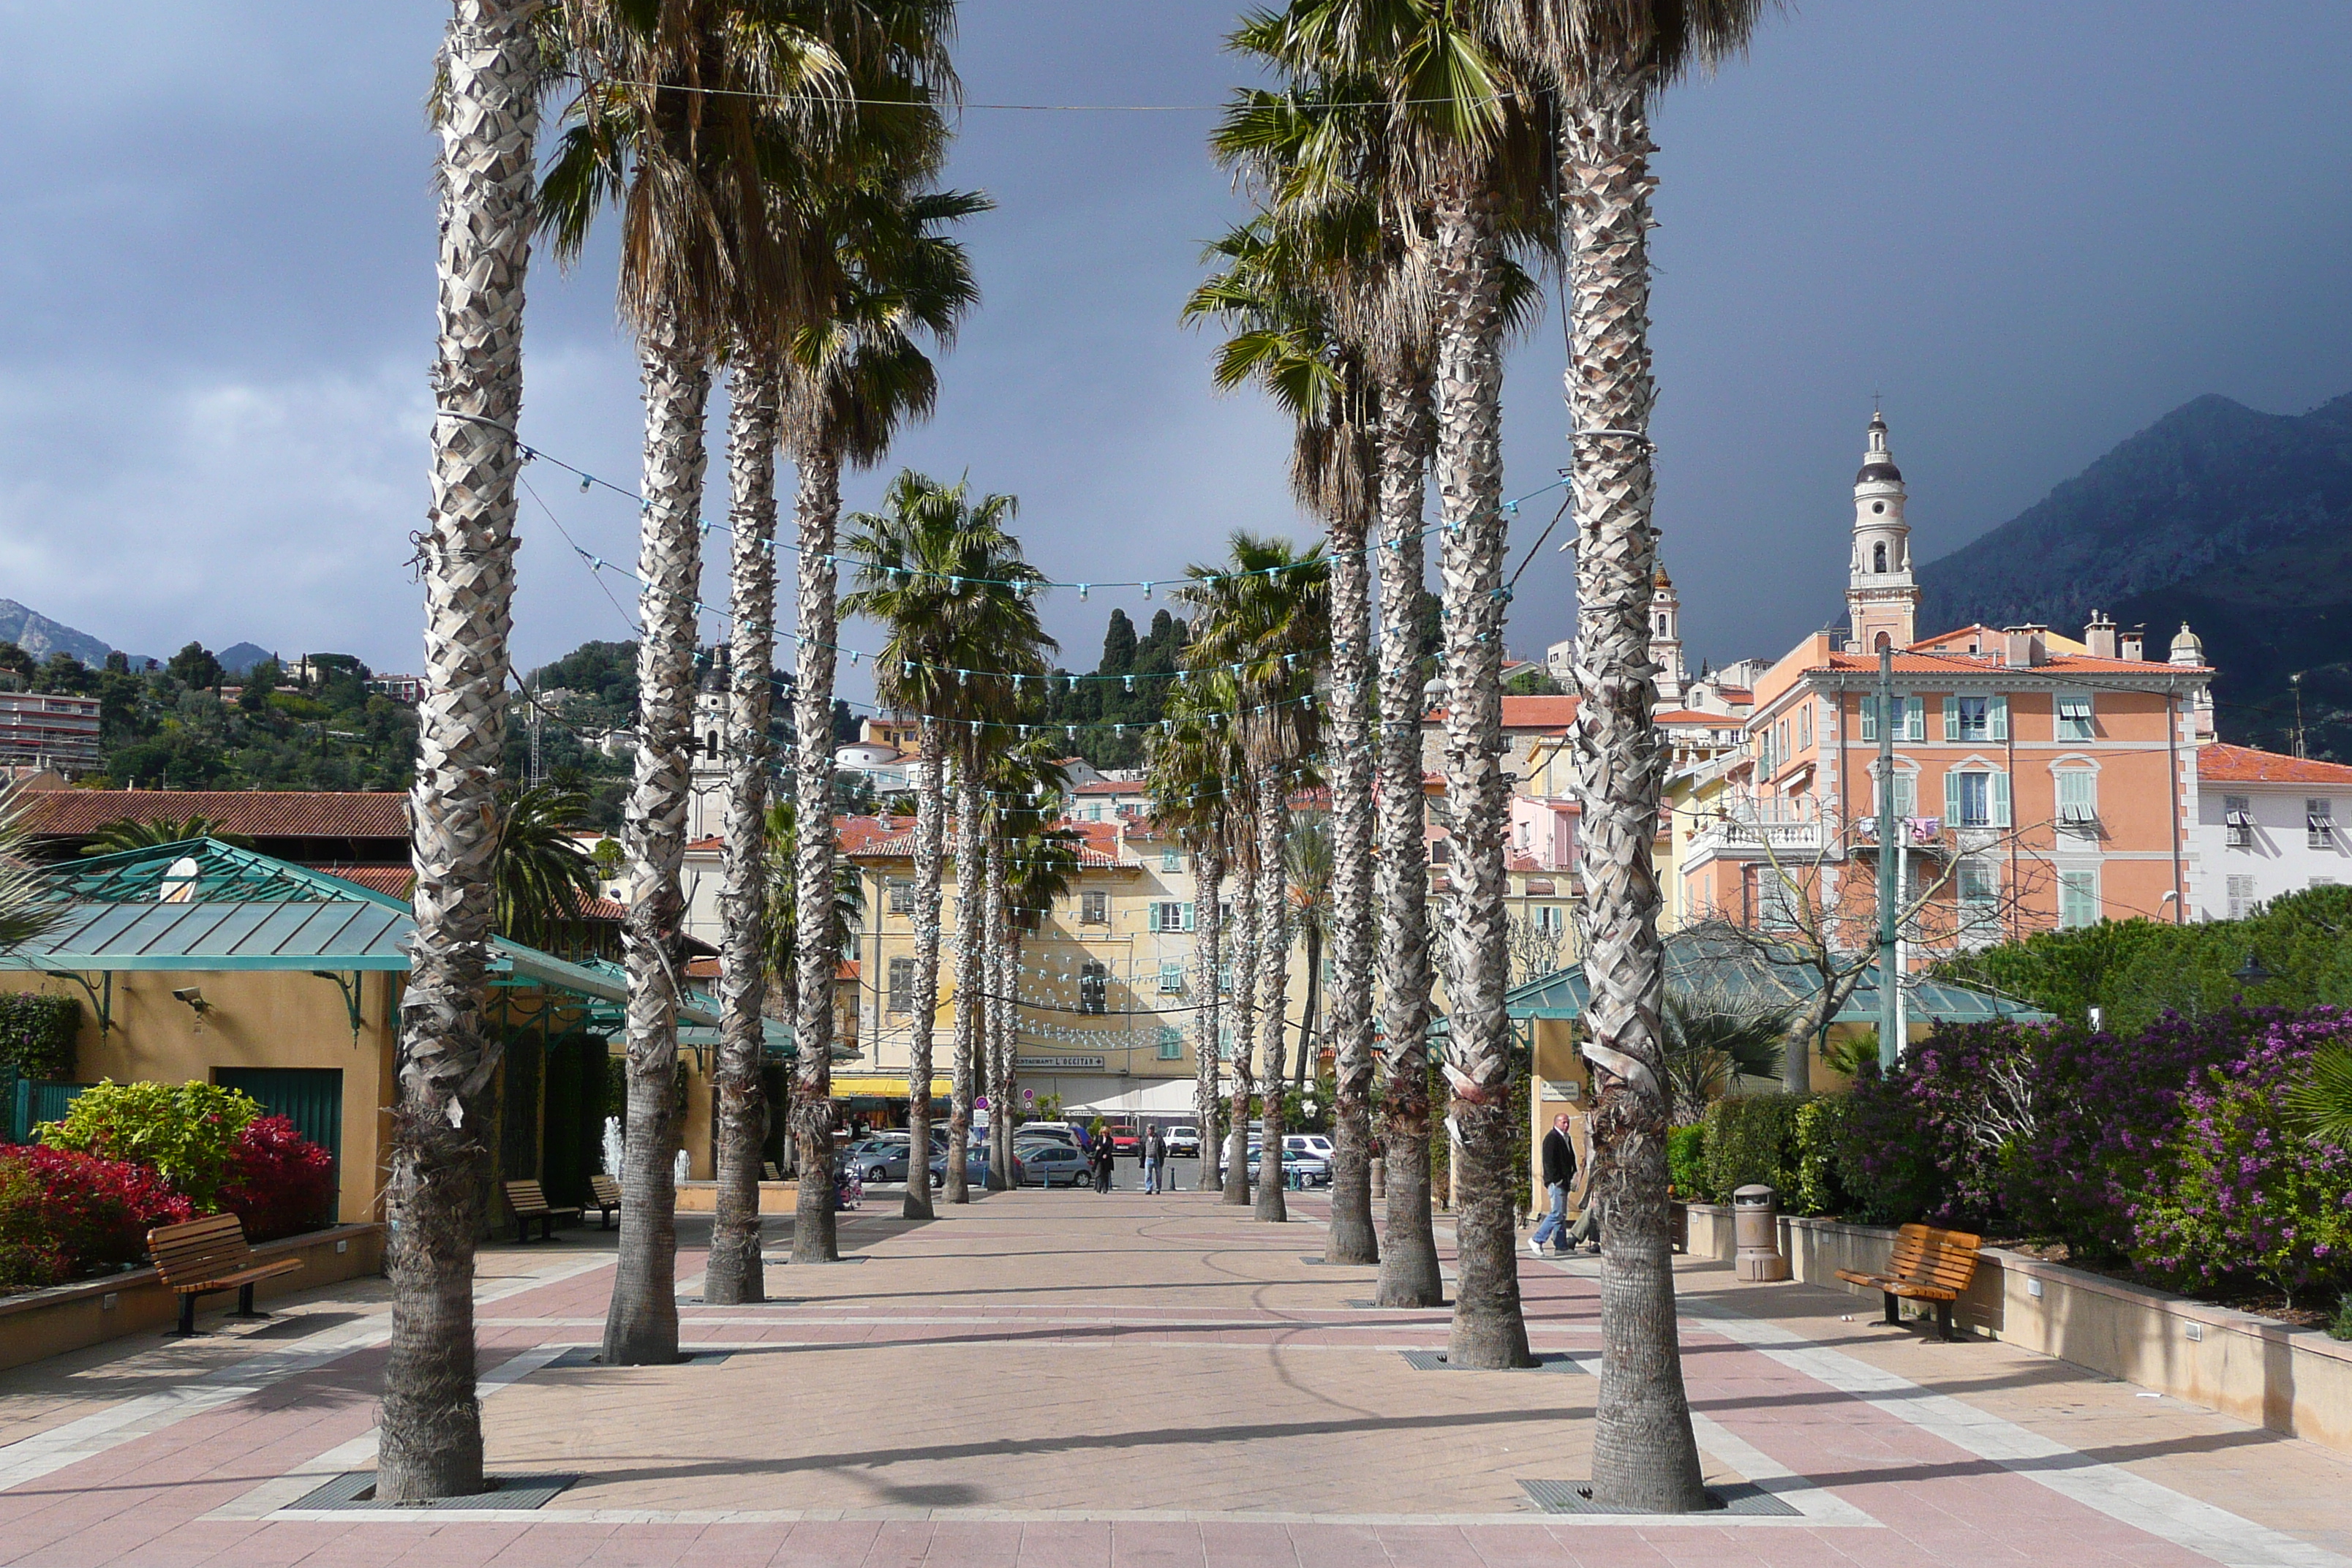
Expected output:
(1434, 1361)
(580, 1356)
(1744, 1497)
(356, 1490)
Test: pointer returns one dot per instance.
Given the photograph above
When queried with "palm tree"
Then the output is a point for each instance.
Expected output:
(1308, 868)
(1605, 61)
(544, 877)
(704, 271)
(939, 572)
(844, 911)
(1710, 1043)
(851, 380)
(430, 1422)
(26, 908)
(1044, 870)
(1188, 770)
(1025, 785)
(1264, 612)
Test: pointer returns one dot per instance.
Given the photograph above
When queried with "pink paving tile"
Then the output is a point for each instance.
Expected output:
(974, 1543)
(1156, 1545)
(548, 1545)
(828, 1543)
(1065, 1545)
(644, 1546)
(899, 1543)
(1338, 1546)
(1428, 1546)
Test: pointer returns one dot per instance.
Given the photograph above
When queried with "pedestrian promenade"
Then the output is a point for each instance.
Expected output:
(1068, 1381)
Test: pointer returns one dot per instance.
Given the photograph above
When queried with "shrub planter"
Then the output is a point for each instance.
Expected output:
(2258, 1370)
(38, 1323)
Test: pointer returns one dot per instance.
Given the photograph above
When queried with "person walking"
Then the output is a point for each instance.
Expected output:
(1155, 1157)
(1101, 1155)
(1559, 1171)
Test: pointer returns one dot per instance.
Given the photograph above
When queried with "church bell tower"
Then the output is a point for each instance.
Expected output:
(1881, 597)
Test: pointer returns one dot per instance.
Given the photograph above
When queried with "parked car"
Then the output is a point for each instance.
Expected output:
(1303, 1169)
(887, 1159)
(1183, 1142)
(1049, 1163)
(1060, 1132)
(1125, 1139)
(1313, 1144)
(975, 1166)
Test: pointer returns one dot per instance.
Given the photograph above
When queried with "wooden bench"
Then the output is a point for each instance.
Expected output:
(768, 1173)
(530, 1204)
(1929, 1265)
(208, 1255)
(605, 1192)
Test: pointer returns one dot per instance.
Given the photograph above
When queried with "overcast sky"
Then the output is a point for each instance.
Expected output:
(2032, 228)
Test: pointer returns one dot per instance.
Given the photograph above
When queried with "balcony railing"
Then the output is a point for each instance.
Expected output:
(1733, 835)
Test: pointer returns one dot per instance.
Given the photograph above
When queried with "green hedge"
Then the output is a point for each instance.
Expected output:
(1751, 1138)
(36, 1035)
(1799, 1145)
(1687, 1161)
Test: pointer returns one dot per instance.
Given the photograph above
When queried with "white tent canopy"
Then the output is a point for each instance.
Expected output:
(1167, 1096)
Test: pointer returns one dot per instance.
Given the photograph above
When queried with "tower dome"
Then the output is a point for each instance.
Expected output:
(1882, 598)
(2188, 647)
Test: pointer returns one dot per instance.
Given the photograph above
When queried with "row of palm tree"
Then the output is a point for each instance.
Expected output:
(1417, 154)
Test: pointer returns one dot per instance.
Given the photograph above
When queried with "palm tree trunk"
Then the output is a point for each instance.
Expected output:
(641, 1328)
(1643, 1455)
(1208, 961)
(1312, 1007)
(1008, 1077)
(1274, 977)
(995, 1053)
(971, 927)
(1245, 954)
(734, 1275)
(817, 513)
(430, 1423)
(931, 807)
(1352, 1238)
(1410, 1276)
(1488, 1330)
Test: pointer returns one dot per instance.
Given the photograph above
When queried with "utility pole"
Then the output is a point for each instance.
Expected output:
(2296, 680)
(1890, 1006)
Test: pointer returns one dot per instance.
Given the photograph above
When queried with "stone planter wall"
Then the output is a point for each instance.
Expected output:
(66, 1317)
(2261, 1371)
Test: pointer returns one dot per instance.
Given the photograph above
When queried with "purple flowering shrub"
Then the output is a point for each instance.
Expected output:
(2238, 1191)
(1938, 1137)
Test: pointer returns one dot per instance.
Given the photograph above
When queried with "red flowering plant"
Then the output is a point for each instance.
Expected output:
(279, 1181)
(2241, 1190)
(65, 1214)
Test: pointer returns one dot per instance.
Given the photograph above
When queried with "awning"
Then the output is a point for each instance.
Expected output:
(1166, 1097)
(884, 1086)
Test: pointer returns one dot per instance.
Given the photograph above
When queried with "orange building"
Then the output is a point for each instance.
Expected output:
(2040, 782)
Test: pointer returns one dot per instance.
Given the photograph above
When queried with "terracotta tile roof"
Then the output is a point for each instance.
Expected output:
(396, 880)
(1527, 714)
(1909, 663)
(1111, 786)
(845, 970)
(902, 848)
(254, 813)
(2220, 763)
(702, 969)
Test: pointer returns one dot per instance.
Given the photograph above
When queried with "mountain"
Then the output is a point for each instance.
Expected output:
(238, 659)
(41, 636)
(2237, 522)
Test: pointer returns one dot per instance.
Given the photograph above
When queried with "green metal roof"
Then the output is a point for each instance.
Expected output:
(1725, 968)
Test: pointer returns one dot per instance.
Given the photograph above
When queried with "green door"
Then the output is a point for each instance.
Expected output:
(310, 1097)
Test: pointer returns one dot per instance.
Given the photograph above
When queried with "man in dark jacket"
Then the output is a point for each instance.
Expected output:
(1559, 1171)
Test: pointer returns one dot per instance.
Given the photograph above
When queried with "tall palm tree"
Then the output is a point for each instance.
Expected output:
(938, 571)
(1605, 62)
(1043, 870)
(704, 271)
(430, 1422)
(1264, 622)
(1188, 761)
(1309, 869)
(851, 380)
(1025, 785)
(845, 910)
(544, 876)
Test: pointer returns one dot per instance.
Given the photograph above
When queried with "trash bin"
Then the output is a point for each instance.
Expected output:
(1756, 1228)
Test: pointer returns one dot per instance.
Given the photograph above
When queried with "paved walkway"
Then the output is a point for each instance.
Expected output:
(1068, 1381)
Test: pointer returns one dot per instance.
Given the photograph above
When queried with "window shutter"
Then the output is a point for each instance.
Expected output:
(1951, 798)
(1952, 718)
(1998, 710)
(2000, 800)
(1188, 917)
(1870, 716)
(1914, 718)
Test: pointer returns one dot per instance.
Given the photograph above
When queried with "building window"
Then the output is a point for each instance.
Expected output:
(902, 895)
(2075, 718)
(1094, 811)
(2242, 897)
(1775, 903)
(1172, 1043)
(1441, 853)
(2078, 801)
(1171, 859)
(1225, 980)
(902, 985)
(2319, 825)
(1878, 558)
(1167, 915)
(1094, 909)
(2078, 898)
(1225, 1042)
(2238, 815)
(1805, 727)
(1979, 891)
(1550, 919)
(1093, 988)
(1973, 798)
(1171, 976)
(1975, 718)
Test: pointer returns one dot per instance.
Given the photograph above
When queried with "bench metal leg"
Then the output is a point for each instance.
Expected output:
(1894, 1313)
(1944, 1320)
(187, 1316)
(245, 1304)
(522, 1231)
